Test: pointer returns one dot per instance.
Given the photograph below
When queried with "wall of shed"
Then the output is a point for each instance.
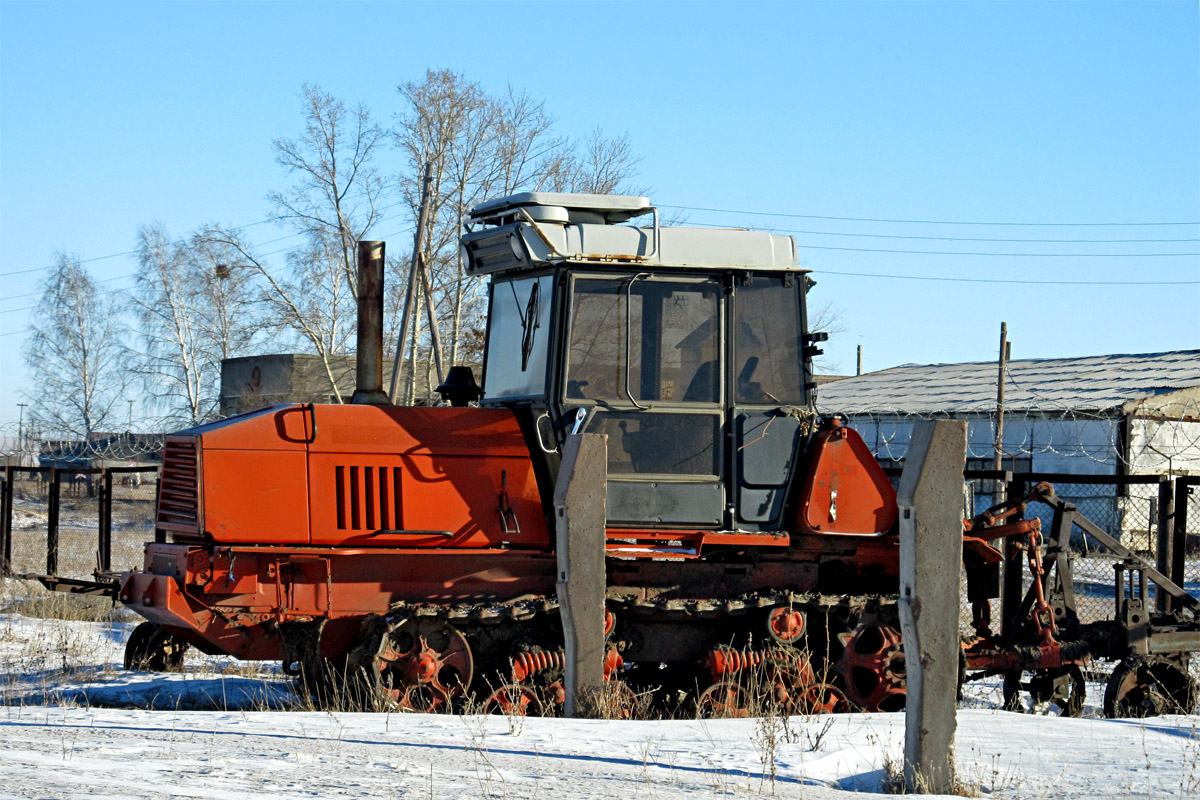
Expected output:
(1181, 404)
(1157, 446)
(255, 381)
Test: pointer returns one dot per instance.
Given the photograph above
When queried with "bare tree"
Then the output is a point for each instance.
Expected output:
(334, 201)
(601, 165)
(172, 364)
(74, 354)
(311, 299)
(828, 319)
(484, 146)
(193, 310)
(447, 123)
(336, 194)
(230, 293)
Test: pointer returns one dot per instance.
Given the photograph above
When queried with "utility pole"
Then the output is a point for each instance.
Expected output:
(21, 425)
(129, 421)
(415, 265)
(998, 453)
(859, 360)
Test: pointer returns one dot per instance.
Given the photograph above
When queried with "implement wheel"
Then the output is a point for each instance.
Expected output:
(723, 700)
(153, 648)
(1146, 686)
(823, 698)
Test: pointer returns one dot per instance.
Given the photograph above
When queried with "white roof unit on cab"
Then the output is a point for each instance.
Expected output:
(532, 229)
(562, 207)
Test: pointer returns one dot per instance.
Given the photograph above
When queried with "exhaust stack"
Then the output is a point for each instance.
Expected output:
(368, 387)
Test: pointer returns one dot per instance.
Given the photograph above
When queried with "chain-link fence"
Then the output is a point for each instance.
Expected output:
(1186, 535)
(1125, 507)
(73, 523)
(1149, 514)
(133, 493)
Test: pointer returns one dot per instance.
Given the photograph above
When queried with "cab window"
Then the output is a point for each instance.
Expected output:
(768, 337)
(518, 338)
(645, 339)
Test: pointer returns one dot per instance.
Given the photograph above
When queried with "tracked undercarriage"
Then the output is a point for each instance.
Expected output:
(795, 653)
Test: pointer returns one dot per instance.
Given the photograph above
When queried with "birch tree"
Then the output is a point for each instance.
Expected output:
(193, 310)
(232, 321)
(74, 354)
(333, 201)
(484, 146)
(310, 301)
(336, 191)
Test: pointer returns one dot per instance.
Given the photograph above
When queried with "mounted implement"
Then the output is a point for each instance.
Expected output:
(1045, 636)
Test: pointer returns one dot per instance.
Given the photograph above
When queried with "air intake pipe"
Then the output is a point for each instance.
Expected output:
(368, 387)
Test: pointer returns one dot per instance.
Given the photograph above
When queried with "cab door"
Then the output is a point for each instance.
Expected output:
(769, 397)
(644, 362)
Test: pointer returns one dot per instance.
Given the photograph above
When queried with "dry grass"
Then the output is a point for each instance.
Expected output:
(31, 599)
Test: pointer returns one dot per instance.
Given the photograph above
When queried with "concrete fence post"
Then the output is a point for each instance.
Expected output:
(1163, 552)
(931, 505)
(579, 500)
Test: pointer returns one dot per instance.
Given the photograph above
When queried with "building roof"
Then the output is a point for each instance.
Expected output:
(1090, 383)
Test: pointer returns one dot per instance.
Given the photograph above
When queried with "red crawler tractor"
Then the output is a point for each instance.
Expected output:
(408, 552)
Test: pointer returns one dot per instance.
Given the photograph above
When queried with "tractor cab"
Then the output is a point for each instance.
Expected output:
(688, 347)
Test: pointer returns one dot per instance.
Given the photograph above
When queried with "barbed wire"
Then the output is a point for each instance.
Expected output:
(1050, 438)
(1152, 440)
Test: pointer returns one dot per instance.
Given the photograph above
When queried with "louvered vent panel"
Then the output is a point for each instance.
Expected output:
(179, 490)
(368, 498)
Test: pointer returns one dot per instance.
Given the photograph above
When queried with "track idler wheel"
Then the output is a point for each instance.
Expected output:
(512, 700)
(421, 665)
(1146, 686)
(823, 698)
(153, 648)
(723, 700)
(873, 667)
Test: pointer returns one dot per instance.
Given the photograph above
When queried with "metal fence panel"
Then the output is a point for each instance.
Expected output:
(133, 498)
(73, 538)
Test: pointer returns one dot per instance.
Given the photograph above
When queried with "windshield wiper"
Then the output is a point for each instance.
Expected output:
(529, 324)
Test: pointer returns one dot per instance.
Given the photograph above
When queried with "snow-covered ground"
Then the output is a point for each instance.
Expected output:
(74, 724)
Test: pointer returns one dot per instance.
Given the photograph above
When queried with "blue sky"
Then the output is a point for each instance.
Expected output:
(114, 115)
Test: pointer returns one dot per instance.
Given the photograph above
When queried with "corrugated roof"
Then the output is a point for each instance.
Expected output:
(1091, 383)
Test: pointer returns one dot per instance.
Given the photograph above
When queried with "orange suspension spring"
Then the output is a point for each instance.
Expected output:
(725, 661)
(526, 664)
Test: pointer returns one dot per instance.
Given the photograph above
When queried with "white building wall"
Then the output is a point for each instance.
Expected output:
(1157, 446)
